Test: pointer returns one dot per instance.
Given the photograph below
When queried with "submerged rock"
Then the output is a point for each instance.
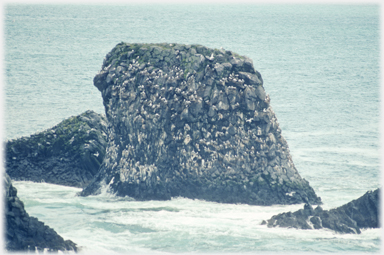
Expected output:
(25, 233)
(69, 153)
(349, 218)
(190, 121)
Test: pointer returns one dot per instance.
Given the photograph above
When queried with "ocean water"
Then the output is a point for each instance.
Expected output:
(108, 224)
(320, 65)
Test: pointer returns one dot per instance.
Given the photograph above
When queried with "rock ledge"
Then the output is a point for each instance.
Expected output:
(69, 153)
(25, 233)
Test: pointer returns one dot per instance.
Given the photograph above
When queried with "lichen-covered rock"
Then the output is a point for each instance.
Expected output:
(349, 218)
(69, 153)
(25, 233)
(190, 121)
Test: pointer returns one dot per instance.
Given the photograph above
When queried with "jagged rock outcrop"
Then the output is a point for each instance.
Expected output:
(25, 233)
(190, 121)
(69, 153)
(349, 218)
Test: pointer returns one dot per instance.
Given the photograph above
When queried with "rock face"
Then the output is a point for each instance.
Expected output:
(349, 218)
(68, 154)
(190, 121)
(25, 233)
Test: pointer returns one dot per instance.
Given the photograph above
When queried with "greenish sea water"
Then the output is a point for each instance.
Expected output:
(320, 65)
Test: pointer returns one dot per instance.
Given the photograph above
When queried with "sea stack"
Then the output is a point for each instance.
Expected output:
(186, 120)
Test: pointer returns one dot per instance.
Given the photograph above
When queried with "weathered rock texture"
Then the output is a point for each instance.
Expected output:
(25, 233)
(349, 218)
(195, 122)
(68, 154)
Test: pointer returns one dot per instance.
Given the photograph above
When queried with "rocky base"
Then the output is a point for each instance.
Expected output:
(190, 121)
(69, 153)
(349, 218)
(25, 233)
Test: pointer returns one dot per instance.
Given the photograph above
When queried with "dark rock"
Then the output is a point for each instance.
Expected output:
(261, 93)
(349, 218)
(68, 154)
(199, 127)
(25, 233)
(252, 79)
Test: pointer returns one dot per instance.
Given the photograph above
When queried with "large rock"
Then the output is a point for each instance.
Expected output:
(349, 218)
(68, 154)
(190, 121)
(25, 233)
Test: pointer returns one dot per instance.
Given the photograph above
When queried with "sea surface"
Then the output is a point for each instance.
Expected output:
(320, 65)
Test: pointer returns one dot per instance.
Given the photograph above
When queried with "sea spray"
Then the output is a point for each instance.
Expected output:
(105, 223)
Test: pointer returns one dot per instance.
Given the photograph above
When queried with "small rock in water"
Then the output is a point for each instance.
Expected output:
(349, 218)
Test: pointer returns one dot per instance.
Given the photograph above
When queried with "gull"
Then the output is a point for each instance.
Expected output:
(210, 58)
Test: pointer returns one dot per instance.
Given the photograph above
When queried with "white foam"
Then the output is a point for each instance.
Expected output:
(107, 224)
